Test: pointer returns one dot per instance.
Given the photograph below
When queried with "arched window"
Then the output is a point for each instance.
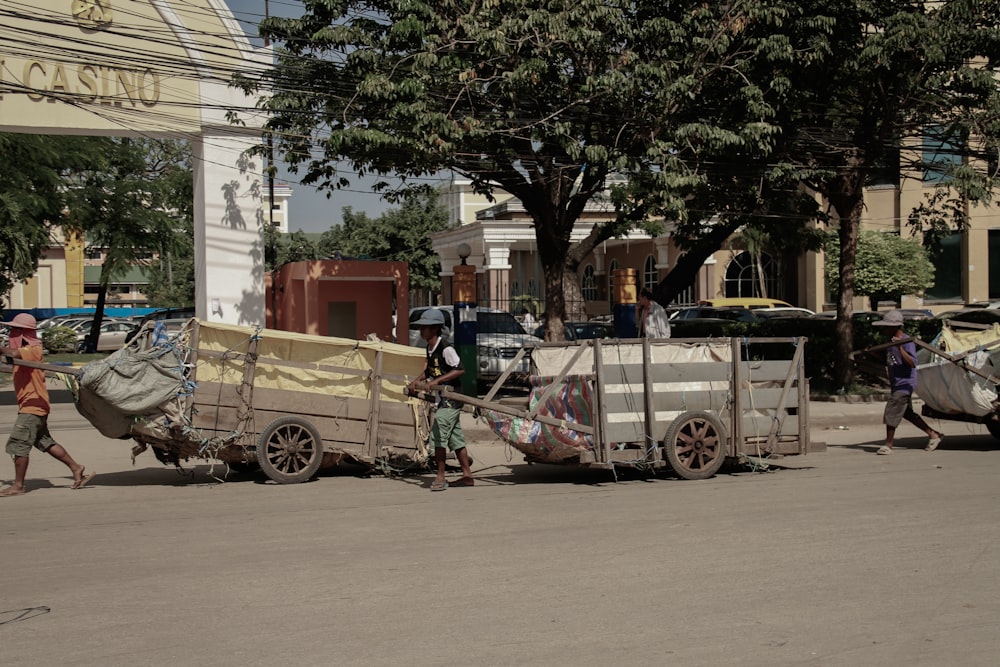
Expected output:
(650, 276)
(589, 284)
(611, 281)
(743, 277)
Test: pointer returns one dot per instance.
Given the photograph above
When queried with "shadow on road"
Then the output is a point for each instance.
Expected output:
(972, 442)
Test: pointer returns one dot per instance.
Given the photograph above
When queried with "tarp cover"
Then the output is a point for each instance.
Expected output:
(948, 388)
(400, 363)
(543, 442)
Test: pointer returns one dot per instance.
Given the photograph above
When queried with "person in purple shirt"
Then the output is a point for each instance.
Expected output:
(901, 362)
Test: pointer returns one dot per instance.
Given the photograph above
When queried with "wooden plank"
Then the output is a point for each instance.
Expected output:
(344, 430)
(759, 426)
(783, 397)
(511, 367)
(207, 396)
(695, 371)
(653, 453)
(765, 371)
(601, 441)
(507, 409)
(375, 391)
(617, 403)
(735, 426)
(630, 431)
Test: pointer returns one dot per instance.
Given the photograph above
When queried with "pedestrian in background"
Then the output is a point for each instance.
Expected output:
(527, 320)
(653, 319)
(901, 365)
(31, 428)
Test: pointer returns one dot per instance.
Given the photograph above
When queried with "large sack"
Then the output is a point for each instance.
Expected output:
(135, 382)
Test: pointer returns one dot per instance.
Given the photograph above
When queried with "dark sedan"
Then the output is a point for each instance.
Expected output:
(582, 330)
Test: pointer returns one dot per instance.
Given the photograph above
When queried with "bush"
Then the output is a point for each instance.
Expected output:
(59, 339)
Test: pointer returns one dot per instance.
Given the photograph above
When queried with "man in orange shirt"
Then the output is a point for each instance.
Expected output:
(31, 428)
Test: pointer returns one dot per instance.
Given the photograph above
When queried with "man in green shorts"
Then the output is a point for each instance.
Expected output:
(31, 428)
(444, 368)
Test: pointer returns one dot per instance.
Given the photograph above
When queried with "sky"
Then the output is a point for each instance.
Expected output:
(309, 210)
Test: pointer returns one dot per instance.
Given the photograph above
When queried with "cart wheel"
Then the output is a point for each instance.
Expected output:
(290, 450)
(695, 445)
(993, 427)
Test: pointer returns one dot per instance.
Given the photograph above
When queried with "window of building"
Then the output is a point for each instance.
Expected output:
(948, 270)
(942, 152)
(650, 276)
(685, 297)
(589, 283)
(743, 279)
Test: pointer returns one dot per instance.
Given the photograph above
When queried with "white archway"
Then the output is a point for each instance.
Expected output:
(160, 68)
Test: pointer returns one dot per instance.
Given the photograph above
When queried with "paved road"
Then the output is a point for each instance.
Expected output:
(837, 558)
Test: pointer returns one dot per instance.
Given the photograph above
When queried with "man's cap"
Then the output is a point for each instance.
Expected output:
(22, 321)
(430, 317)
(894, 318)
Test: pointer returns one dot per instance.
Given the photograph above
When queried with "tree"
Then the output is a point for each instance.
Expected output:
(545, 100)
(280, 249)
(887, 266)
(398, 235)
(32, 198)
(901, 80)
(124, 203)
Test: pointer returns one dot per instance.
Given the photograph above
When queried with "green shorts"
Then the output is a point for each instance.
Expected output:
(447, 430)
(29, 431)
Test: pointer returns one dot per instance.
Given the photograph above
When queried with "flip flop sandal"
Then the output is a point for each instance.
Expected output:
(9, 491)
(464, 481)
(439, 486)
(82, 482)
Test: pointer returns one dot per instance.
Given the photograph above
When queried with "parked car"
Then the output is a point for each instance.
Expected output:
(182, 314)
(710, 313)
(111, 337)
(499, 336)
(748, 302)
(782, 312)
(582, 330)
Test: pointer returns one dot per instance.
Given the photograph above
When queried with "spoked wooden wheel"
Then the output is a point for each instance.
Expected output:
(290, 450)
(695, 445)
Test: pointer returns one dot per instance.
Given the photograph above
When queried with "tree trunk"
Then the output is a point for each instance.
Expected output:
(555, 299)
(686, 269)
(849, 207)
(90, 342)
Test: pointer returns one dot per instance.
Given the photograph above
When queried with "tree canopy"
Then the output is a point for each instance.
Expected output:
(398, 235)
(546, 100)
(907, 90)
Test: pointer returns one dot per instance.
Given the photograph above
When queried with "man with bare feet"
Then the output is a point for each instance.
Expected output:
(31, 428)
(444, 368)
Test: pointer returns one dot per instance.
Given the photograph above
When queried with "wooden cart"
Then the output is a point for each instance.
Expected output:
(689, 404)
(290, 403)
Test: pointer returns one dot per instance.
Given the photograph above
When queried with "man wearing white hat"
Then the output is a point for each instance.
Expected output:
(31, 428)
(901, 362)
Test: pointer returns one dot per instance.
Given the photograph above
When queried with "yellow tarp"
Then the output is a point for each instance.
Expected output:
(959, 341)
(400, 363)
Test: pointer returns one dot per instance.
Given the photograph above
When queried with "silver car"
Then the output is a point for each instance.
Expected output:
(499, 336)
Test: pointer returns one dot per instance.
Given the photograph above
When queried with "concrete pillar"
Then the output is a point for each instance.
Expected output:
(228, 223)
